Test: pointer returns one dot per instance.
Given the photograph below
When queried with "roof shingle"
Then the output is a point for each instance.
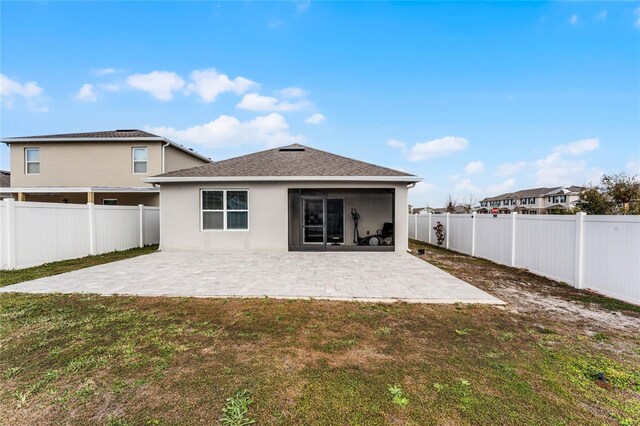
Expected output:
(292, 160)
(108, 134)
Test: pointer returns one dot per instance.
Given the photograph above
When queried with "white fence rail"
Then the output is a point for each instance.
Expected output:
(597, 252)
(35, 233)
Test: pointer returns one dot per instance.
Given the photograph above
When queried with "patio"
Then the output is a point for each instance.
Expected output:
(364, 276)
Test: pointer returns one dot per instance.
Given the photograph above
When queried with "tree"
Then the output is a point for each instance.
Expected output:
(593, 201)
(616, 194)
(451, 204)
(624, 191)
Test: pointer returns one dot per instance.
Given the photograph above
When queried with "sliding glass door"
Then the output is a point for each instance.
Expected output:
(322, 222)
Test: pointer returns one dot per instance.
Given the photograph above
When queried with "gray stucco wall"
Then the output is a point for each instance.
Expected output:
(268, 216)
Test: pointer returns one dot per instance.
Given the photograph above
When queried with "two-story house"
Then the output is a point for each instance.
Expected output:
(533, 201)
(97, 167)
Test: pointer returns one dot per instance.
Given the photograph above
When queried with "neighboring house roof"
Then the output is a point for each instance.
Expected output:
(525, 193)
(104, 136)
(5, 179)
(294, 161)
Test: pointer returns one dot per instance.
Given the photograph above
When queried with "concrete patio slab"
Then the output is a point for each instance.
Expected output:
(342, 276)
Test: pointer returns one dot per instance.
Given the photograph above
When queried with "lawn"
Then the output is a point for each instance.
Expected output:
(84, 359)
(54, 268)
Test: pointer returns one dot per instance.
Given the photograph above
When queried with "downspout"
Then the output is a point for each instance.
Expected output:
(163, 155)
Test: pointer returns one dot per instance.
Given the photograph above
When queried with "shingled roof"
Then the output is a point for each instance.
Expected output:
(5, 179)
(293, 160)
(108, 134)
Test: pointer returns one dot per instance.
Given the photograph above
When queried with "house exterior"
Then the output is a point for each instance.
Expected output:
(533, 201)
(97, 167)
(292, 198)
(5, 182)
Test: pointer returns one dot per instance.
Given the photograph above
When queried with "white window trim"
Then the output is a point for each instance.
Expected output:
(27, 162)
(224, 210)
(134, 161)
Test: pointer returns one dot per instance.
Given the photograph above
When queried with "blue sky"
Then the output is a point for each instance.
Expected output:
(476, 98)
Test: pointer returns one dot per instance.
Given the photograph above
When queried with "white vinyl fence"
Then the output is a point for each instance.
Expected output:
(35, 233)
(597, 252)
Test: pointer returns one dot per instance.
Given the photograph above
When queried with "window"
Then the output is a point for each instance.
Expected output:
(32, 161)
(225, 209)
(139, 160)
(109, 202)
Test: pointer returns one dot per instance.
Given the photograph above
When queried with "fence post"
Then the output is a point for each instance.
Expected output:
(579, 249)
(473, 234)
(429, 229)
(11, 233)
(415, 226)
(141, 210)
(513, 238)
(446, 235)
(92, 229)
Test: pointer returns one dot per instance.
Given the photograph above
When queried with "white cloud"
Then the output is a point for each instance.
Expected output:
(508, 169)
(466, 185)
(420, 188)
(474, 167)
(160, 84)
(33, 94)
(573, 20)
(602, 14)
(110, 87)
(502, 187)
(208, 84)
(105, 71)
(316, 118)
(274, 24)
(292, 92)
(86, 93)
(637, 21)
(437, 148)
(634, 167)
(270, 130)
(393, 143)
(553, 170)
(256, 102)
(578, 147)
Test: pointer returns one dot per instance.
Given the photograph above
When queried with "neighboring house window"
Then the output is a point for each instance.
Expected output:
(139, 160)
(226, 209)
(109, 202)
(32, 161)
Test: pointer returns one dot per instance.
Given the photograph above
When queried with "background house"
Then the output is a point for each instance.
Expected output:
(292, 198)
(533, 201)
(5, 182)
(98, 167)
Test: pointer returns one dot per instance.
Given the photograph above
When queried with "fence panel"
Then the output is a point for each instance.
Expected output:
(35, 233)
(460, 237)
(545, 244)
(117, 228)
(47, 234)
(493, 238)
(611, 257)
(604, 256)
(151, 225)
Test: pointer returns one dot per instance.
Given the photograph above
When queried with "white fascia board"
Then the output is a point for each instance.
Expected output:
(283, 179)
(57, 189)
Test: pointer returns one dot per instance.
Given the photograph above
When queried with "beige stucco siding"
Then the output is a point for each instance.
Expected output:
(268, 216)
(84, 164)
(176, 159)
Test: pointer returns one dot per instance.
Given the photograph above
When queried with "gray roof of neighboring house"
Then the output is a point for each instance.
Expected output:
(292, 160)
(5, 179)
(525, 193)
(108, 135)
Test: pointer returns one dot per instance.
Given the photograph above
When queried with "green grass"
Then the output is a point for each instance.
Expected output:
(86, 359)
(19, 275)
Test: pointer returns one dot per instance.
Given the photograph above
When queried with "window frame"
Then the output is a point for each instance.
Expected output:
(27, 162)
(109, 199)
(224, 210)
(134, 161)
